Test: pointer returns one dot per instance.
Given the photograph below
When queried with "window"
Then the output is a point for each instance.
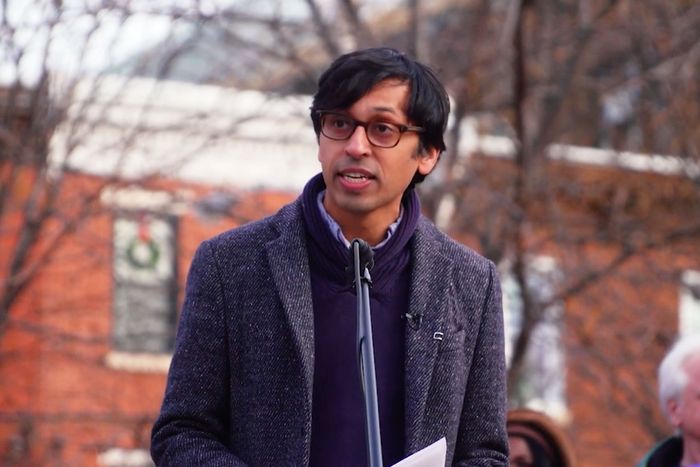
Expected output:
(542, 384)
(145, 285)
(689, 303)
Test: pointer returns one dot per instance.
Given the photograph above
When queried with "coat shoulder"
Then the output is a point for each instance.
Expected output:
(256, 233)
(247, 245)
(431, 237)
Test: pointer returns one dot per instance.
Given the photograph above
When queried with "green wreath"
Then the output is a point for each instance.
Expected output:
(150, 261)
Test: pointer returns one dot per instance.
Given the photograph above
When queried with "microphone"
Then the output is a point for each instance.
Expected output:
(366, 255)
(413, 320)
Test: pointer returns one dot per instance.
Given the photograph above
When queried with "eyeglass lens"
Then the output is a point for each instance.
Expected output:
(340, 127)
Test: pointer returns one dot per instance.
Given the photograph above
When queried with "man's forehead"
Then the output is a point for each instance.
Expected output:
(381, 102)
(692, 368)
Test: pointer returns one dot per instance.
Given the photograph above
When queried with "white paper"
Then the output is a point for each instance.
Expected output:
(431, 456)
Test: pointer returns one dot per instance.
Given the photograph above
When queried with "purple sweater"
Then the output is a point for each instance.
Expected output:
(338, 425)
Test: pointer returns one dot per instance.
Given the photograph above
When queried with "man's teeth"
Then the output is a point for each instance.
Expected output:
(358, 177)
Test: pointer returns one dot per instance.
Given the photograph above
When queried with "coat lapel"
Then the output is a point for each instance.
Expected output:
(289, 264)
(427, 300)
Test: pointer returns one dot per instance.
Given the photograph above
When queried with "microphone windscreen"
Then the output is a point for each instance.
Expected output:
(366, 253)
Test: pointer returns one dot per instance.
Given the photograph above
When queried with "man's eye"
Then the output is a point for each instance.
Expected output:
(339, 122)
(383, 128)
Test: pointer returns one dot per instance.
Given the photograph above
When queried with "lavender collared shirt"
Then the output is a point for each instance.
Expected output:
(338, 233)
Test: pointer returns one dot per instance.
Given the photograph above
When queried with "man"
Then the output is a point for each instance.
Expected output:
(265, 365)
(679, 394)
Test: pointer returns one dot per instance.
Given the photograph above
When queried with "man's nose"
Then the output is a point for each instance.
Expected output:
(357, 144)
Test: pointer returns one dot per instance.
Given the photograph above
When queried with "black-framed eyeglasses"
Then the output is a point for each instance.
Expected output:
(339, 126)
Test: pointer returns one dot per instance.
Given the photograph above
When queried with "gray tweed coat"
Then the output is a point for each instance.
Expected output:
(239, 387)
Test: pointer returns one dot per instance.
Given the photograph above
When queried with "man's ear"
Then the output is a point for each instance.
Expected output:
(673, 409)
(427, 158)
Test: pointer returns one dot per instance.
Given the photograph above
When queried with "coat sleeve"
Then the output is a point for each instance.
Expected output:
(482, 439)
(193, 426)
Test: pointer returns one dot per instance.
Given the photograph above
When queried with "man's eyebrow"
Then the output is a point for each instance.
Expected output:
(385, 109)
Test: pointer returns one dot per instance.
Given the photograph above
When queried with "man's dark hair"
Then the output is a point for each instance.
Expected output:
(354, 74)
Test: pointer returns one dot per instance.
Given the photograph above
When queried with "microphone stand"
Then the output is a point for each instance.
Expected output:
(363, 262)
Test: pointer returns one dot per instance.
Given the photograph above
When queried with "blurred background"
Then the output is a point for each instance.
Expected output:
(131, 130)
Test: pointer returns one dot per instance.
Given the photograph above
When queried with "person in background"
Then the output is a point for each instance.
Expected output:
(535, 440)
(265, 369)
(679, 396)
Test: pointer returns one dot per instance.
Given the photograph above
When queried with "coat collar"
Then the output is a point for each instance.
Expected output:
(429, 265)
(288, 259)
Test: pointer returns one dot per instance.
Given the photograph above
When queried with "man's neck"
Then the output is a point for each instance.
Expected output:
(372, 234)
(371, 227)
(691, 452)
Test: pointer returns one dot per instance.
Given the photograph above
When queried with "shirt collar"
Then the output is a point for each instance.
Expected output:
(338, 233)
